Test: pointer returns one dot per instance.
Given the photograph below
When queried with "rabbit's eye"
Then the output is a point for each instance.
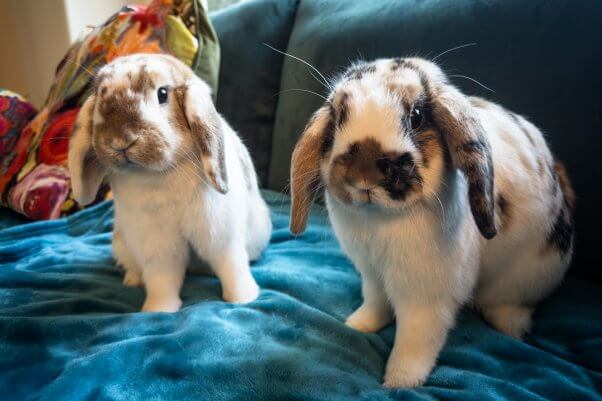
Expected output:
(162, 94)
(416, 118)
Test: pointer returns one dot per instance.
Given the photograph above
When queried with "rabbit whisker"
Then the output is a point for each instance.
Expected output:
(453, 49)
(325, 81)
(473, 80)
(301, 90)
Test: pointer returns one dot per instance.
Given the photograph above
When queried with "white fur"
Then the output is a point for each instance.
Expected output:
(163, 217)
(416, 264)
(421, 260)
(165, 212)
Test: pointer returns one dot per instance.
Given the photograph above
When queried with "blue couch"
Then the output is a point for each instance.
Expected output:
(70, 331)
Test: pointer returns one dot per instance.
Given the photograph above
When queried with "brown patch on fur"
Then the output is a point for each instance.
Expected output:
(122, 122)
(342, 109)
(142, 82)
(202, 134)
(177, 119)
(210, 142)
(208, 136)
(305, 167)
(177, 116)
(470, 152)
(357, 71)
(430, 144)
(358, 164)
(560, 236)
(329, 130)
(365, 163)
(565, 184)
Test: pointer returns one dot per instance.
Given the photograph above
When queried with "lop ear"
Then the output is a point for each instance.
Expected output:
(470, 152)
(206, 127)
(86, 171)
(305, 167)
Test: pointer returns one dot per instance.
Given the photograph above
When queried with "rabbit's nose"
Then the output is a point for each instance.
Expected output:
(120, 144)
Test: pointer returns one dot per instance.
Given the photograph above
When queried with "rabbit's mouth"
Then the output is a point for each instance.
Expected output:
(143, 153)
(124, 160)
(121, 161)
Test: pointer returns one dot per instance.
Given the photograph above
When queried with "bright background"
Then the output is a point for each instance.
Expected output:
(35, 34)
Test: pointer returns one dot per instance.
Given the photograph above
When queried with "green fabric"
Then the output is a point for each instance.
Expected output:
(207, 60)
(250, 72)
(541, 57)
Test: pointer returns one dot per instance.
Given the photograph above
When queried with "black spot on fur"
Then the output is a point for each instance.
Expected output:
(474, 159)
(474, 146)
(504, 209)
(503, 204)
(400, 175)
(397, 63)
(328, 135)
(354, 149)
(357, 71)
(404, 63)
(480, 193)
(343, 110)
(561, 234)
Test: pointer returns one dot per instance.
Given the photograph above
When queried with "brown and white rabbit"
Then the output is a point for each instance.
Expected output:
(182, 180)
(438, 199)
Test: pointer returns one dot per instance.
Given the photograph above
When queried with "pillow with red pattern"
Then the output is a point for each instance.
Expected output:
(15, 114)
(34, 179)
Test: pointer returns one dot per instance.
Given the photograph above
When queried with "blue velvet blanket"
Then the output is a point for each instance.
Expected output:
(70, 331)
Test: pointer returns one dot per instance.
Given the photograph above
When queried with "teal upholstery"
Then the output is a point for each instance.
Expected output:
(250, 71)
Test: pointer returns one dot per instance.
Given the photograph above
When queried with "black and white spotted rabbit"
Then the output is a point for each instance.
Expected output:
(439, 199)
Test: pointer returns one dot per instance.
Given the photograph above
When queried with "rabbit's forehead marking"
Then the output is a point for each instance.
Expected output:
(367, 109)
(122, 111)
(140, 75)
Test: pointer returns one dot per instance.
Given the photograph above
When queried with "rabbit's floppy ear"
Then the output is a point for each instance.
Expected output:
(206, 128)
(305, 166)
(86, 171)
(470, 152)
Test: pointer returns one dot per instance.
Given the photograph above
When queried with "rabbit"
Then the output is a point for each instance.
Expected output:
(439, 200)
(182, 180)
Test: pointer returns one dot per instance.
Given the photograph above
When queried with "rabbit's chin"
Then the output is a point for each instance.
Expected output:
(132, 162)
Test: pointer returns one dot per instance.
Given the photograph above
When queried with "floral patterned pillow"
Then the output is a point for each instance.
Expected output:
(15, 113)
(34, 179)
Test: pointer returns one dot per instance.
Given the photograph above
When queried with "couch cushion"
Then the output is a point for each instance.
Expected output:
(538, 57)
(250, 71)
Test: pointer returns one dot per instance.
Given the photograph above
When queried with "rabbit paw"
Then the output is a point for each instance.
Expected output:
(161, 305)
(406, 374)
(368, 320)
(241, 294)
(132, 278)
